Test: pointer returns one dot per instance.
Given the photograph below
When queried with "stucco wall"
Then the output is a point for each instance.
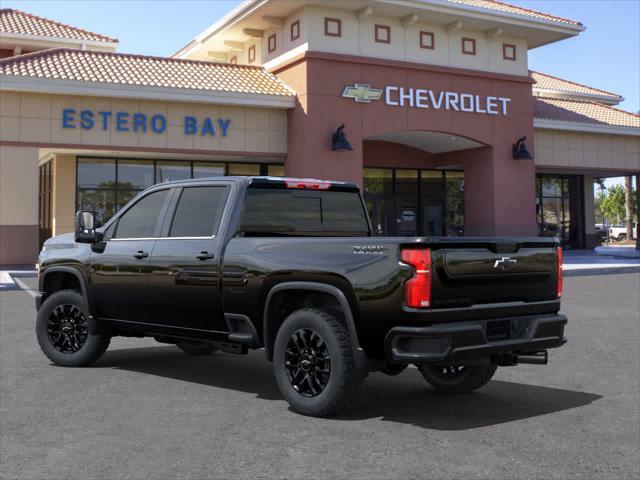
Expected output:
(37, 118)
(358, 38)
(554, 148)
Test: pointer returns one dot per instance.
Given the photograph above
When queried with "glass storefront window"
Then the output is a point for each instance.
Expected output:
(244, 169)
(378, 197)
(169, 171)
(135, 174)
(206, 169)
(407, 202)
(105, 185)
(557, 207)
(275, 170)
(98, 173)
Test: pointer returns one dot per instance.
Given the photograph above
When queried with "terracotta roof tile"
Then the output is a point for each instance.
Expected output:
(548, 82)
(515, 10)
(583, 112)
(16, 21)
(144, 71)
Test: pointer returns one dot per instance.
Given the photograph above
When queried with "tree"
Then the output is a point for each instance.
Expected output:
(613, 204)
(628, 205)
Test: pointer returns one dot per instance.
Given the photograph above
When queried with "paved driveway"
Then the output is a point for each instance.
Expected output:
(150, 411)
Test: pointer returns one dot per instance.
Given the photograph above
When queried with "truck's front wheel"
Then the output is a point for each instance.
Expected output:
(314, 363)
(457, 378)
(62, 329)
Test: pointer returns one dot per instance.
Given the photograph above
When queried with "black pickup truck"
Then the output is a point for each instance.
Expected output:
(290, 266)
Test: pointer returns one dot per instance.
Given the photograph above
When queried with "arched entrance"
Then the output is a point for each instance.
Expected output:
(414, 182)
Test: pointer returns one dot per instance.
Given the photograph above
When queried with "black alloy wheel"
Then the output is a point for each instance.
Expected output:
(458, 378)
(67, 328)
(307, 362)
(449, 372)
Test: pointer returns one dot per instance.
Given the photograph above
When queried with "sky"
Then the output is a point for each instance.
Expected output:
(605, 56)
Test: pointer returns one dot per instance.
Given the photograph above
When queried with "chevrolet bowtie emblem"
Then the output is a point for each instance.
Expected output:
(505, 263)
(362, 93)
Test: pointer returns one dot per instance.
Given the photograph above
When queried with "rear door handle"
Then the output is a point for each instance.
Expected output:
(205, 256)
(140, 254)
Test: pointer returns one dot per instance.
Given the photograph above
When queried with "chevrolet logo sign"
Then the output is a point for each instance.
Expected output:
(362, 93)
(505, 263)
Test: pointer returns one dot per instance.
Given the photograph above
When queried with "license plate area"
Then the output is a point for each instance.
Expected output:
(498, 330)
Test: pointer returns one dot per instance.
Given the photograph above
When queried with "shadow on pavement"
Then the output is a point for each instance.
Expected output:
(405, 398)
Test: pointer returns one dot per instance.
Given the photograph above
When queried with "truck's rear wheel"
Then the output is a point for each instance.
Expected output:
(457, 378)
(63, 333)
(314, 363)
(196, 348)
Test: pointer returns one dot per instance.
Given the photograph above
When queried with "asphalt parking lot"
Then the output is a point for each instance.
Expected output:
(149, 411)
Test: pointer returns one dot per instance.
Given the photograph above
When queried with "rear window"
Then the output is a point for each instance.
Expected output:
(300, 212)
(198, 212)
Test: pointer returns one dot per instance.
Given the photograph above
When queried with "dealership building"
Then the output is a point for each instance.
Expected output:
(434, 96)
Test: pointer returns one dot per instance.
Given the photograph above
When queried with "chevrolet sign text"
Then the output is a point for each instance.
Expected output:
(425, 98)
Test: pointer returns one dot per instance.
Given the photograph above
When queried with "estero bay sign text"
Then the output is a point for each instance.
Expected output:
(425, 98)
(140, 122)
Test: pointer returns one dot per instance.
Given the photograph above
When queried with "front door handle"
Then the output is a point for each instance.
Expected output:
(140, 254)
(205, 256)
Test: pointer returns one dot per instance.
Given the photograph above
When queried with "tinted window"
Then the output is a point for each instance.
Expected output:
(198, 212)
(298, 211)
(141, 219)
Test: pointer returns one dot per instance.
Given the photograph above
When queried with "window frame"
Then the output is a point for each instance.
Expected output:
(173, 209)
(295, 30)
(377, 31)
(272, 44)
(473, 43)
(424, 34)
(337, 22)
(505, 50)
(251, 54)
(159, 222)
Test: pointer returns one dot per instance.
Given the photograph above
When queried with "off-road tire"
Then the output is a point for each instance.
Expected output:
(345, 379)
(469, 379)
(94, 344)
(196, 348)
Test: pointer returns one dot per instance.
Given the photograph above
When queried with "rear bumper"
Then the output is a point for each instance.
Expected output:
(468, 341)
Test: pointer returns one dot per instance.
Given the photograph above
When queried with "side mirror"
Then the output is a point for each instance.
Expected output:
(85, 227)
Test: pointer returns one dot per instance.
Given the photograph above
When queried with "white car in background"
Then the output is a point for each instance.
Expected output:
(619, 232)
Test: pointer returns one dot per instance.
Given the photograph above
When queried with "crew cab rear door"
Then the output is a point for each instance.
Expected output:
(185, 262)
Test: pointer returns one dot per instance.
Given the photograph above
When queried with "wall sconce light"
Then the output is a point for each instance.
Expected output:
(519, 150)
(339, 142)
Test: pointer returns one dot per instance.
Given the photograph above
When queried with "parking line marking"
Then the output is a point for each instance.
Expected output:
(25, 287)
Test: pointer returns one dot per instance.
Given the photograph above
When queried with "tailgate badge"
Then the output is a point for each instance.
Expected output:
(505, 263)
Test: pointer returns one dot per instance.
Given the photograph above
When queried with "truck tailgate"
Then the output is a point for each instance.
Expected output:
(466, 274)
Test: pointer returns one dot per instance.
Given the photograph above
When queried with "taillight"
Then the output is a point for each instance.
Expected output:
(308, 184)
(417, 290)
(559, 255)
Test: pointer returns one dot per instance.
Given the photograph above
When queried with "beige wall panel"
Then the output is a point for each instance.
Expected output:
(574, 141)
(617, 144)
(233, 141)
(560, 140)
(9, 129)
(9, 104)
(61, 102)
(18, 185)
(96, 104)
(278, 120)
(35, 105)
(633, 161)
(35, 129)
(590, 158)
(63, 195)
(544, 156)
(278, 142)
(544, 138)
(370, 48)
(49, 130)
(123, 139)
(177, 111)
(235, 114)
(632, 145)
(65, 135)
(256, 119)
(256, 140)
(154, 140)
(177, 139)
(206, 142)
